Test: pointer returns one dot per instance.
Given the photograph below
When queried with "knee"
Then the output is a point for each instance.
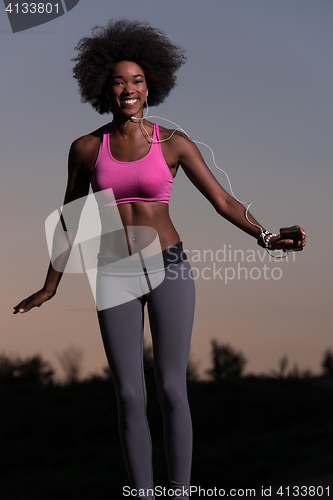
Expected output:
(173, 395)
(131, 401)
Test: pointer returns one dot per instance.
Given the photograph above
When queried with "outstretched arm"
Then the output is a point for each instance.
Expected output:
(81, 156)
(194, 166)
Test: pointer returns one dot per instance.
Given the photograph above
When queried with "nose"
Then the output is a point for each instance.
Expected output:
(128, 89)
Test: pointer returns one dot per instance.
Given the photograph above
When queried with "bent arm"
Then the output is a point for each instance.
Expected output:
(226, 205)
(194, 166)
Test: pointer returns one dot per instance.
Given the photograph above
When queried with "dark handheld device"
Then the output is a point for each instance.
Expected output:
(291, 233)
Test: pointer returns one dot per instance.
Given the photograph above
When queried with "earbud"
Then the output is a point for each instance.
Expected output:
(147, 94)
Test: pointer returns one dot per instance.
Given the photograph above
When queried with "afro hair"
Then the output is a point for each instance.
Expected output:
(126, 40)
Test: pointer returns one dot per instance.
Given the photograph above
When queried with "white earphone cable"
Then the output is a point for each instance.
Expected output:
(214, 162)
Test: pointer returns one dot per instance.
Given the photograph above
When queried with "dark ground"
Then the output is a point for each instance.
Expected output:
(61, 442)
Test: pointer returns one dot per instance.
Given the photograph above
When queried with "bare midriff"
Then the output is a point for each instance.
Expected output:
(142, 222)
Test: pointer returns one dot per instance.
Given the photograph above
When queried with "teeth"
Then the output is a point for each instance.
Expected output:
(130, 101)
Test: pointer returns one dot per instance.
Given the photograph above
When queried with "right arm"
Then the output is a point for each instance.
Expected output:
(81, 159)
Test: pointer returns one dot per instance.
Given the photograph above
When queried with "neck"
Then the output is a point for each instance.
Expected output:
(126, 126)
(123, 121)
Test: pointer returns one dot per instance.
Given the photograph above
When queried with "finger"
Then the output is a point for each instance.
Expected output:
(29, 306)
(25, 305)
(21, 310)
(21, 306)
(301, 230)
(288, 242)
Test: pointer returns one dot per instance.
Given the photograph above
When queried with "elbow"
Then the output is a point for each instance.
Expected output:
(224, 206)
(219, 210)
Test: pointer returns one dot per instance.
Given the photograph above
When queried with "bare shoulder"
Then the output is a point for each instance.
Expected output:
(175, 138)
(179, 145)
(84, 150)
(165, 133)
(87, 143)
(177, 148)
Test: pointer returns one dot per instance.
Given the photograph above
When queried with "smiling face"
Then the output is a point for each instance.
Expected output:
(127, 89)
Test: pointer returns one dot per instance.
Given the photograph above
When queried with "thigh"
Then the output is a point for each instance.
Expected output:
(171, 312)
(122, 333)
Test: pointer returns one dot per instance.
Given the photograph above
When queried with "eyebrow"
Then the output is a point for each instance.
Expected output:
(121, 76)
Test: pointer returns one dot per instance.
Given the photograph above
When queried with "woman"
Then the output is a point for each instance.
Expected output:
(119, 70)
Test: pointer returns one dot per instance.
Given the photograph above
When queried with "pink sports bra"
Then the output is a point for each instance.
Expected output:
(146, 179)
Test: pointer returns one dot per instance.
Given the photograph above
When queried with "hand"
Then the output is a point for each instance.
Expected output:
(278, 243)
(35, 300)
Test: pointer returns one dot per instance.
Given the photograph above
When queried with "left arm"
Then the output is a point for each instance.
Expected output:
(195, 168)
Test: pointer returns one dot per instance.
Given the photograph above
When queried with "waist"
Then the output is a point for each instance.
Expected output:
(169, 257)
(174, 255)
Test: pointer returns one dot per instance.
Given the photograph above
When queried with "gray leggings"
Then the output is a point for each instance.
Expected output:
(171, 310)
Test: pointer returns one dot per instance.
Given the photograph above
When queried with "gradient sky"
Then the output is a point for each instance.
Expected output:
(257, 88)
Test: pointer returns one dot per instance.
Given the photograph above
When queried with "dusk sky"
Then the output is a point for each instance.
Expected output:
(257, 88)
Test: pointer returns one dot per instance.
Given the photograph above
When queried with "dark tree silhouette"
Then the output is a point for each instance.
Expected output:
(327, 362)
(282, 371)
(30, 372)
(227, 362)
(294, 372)
(71, 362)
(192, 370)
(148, 361)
